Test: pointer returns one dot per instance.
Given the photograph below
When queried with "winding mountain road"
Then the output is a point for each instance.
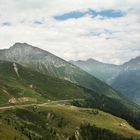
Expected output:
(41, 104)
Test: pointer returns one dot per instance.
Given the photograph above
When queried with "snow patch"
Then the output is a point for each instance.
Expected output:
(15, 69)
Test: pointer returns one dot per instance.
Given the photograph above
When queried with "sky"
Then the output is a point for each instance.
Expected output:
(105, 30)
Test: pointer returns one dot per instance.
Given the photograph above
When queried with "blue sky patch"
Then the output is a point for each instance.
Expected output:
(66, 16)
(109, 13)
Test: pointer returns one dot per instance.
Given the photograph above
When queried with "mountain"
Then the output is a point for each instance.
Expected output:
(43, 106)
(49, 64)
(133, 64)
(23, 85)
(103, 71)
(124, 78)
(34, 105)
(128, 81)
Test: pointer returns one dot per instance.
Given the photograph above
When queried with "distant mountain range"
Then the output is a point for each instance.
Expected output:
(124, 78)
(103, 71)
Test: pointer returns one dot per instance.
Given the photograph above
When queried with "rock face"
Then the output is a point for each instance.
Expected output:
(31, 56)
(35, 58)
(49, 64)
(124, 78)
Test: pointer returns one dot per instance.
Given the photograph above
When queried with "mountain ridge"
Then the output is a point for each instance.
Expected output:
(49, 64)
(124, 78)
(98, 61)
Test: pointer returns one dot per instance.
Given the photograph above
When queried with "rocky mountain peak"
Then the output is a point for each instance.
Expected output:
(18, 45)
(25, 49)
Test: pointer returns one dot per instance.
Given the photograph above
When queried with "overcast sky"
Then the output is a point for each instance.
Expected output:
(106, 30)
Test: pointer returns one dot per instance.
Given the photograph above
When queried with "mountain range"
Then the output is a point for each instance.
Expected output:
(43, 96)
(49, 64)
(124, 78)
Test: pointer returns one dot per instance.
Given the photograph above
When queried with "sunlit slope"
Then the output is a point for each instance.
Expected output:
(60, 121)
(7, 132)
(34, 86)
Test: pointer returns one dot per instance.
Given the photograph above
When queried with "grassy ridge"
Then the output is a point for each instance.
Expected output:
(118, 108)
(60, 121)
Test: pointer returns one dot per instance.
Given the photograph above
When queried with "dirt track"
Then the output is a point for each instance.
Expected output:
(6, 107)
(27, 105)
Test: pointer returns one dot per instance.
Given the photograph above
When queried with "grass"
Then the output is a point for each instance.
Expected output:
(75, 116)
(43, 87)
(63, 120)
(7, 132)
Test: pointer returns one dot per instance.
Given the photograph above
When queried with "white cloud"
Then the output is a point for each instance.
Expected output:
(71, 39)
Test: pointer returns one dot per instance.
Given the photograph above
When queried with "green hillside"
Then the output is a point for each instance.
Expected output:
(7, 131)
(65, 122)
(21, 85)
(32, 87)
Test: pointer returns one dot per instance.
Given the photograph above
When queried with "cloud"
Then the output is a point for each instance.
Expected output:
(112, 40)
(6, 23)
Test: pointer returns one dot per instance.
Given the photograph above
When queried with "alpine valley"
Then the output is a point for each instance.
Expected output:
(124, 78)
(43, 97)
